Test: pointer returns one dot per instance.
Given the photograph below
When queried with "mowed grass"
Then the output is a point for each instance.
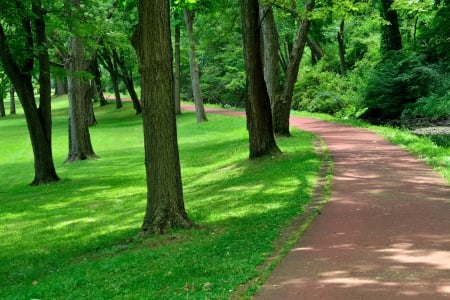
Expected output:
(77, 239)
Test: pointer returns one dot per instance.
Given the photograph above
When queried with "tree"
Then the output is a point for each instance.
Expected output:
(12, 100)
(29, 40)
(391, 39)
(177, 59)
(270, 49)
(189, 16)
(80, 146)
(259, 116)
(4, 83)
(111, 65)
(152, 42)
(282, 107)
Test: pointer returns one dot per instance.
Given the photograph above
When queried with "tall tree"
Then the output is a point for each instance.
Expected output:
(80, 146)
(282, 108)
(189, 16)
(270, 49)
(259, 116)
(111, 65)
(177, 61)
(391, 39)
(31, 41)
(152, 41)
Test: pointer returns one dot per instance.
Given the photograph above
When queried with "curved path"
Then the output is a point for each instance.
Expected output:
(384, 234)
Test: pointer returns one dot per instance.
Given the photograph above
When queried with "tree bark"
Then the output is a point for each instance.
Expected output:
(97, 84)
(2, 106)
(80, 146)
(391, 39)
(195, 73)
(38, 117)
(12, 101)
(341, 45)
(259, 117)
(316, 51)
(270, 48)
(61, 86)
(282, 109)
(127, 78)
(176, 82)
(152, 42)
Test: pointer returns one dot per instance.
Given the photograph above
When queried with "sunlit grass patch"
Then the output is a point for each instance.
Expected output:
(77, 239)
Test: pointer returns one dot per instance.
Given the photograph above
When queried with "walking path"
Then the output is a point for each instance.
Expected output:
(384, 234)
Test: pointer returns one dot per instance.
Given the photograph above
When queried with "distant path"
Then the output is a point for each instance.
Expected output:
(384, 234)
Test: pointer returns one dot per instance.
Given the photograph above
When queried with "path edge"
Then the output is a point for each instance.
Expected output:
(291, 233)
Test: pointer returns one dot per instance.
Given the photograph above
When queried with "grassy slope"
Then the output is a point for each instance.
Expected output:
(77, 239)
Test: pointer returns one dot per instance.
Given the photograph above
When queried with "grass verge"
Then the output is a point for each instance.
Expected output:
(77, 239)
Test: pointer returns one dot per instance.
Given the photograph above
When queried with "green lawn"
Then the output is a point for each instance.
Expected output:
(77, 239)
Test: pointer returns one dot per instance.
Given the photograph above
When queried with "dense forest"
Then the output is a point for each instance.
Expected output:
(381, 60)
(385, 61)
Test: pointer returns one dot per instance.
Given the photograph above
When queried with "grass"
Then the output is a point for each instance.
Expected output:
(77, 239)
(424, 147)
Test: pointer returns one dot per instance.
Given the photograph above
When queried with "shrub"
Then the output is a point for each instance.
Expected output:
(397, 80)
(328, 92)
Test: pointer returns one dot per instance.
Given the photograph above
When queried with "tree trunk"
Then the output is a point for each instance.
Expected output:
(391, 39)
(115, 83)
(152, 42)
(270, 49)
(38, 118)
(129, 83)
(61, 86)
(80, 146)
(111, 66)
(89, 98)
(195, 74)
(97, 84)
(12, 101)
(176, 81)
(259, 117)
(2, 106)
(316, 51)
(127, 78)
(282, 109)
(340, 38)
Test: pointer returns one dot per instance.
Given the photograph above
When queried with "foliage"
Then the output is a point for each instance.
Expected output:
(434, 33)
(77, 239)
(397, 80)
(323, 91)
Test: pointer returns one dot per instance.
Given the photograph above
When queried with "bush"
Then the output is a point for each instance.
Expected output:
(396, 81)
(433, 107)
(328, 92)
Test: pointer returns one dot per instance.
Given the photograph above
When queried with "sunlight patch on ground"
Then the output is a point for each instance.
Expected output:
(403, 253)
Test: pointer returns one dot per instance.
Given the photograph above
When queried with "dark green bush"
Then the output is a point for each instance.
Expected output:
(397, 80)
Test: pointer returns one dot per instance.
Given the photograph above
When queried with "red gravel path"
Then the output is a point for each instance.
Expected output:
(384, 234)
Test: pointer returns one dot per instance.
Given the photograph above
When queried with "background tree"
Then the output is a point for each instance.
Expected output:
(189, 15)
(282, 108)
(12, 100)
(23, 40)
(4, 84)
(391, 39)
(259, 116)
(80, 105)
(152, 41)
